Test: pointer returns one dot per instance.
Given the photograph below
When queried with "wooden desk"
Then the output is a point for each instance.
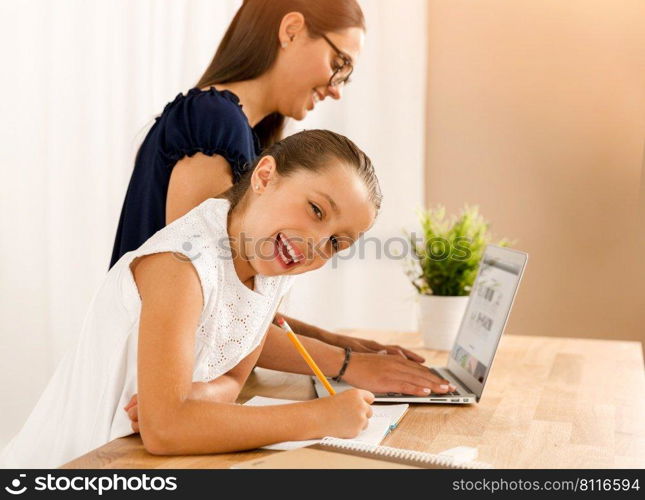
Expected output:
(550, 403)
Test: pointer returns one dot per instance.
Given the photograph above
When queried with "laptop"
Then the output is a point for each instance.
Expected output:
(489, 306)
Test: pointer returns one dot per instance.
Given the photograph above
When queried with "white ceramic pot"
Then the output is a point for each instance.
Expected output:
(439, 320)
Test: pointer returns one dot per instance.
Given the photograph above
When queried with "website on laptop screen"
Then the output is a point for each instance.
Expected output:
(489, 304)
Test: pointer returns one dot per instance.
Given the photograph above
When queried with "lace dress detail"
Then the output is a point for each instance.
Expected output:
(234, 317)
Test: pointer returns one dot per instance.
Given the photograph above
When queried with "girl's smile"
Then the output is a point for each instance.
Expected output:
(286, 252)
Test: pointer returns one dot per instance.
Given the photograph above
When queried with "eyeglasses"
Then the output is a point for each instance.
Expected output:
(341, 73)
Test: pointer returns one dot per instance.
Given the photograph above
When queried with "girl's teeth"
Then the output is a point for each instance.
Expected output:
(290, 249)
(292, 253)
(283, 257)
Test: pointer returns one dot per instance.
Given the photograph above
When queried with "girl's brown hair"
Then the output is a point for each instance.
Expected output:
(250, 44)
(312, 150)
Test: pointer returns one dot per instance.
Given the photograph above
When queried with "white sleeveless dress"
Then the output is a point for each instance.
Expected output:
(82, 406)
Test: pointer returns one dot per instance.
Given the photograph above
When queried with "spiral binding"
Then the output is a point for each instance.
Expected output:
(400, 453)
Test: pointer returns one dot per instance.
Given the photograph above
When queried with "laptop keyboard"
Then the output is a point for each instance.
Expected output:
(454, 393)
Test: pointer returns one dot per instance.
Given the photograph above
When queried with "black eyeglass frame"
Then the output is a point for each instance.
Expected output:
(346, 62)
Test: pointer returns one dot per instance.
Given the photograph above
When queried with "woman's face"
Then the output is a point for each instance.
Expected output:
(294, 224)
(303, 69)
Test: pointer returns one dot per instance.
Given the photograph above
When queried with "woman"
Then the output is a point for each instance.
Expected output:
(277, 59)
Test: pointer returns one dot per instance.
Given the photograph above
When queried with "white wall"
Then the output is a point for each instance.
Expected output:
(536, 112)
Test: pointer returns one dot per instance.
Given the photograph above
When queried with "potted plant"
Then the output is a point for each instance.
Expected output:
(443, 268)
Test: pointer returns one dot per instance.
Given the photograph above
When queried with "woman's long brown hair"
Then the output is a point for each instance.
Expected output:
(250, 44)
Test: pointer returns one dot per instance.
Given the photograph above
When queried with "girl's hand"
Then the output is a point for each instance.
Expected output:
(387, 373)
(132, 410)
(370, 346)
(346, 414)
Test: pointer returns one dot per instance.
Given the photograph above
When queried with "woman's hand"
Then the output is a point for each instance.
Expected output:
(381, 373)
(132, 410)
(346, 414)
(370, 346)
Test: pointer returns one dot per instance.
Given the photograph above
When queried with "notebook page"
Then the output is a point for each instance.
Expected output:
(379, 424)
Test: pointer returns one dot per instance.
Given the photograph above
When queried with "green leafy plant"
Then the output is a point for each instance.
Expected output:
(446, 260)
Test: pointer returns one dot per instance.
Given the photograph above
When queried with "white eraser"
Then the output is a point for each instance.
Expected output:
(460, 454)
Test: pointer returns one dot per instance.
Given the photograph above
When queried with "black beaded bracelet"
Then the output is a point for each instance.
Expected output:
(348, 353)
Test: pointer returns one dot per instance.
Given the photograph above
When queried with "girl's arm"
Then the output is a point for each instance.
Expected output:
(170, 421)
(193, 180)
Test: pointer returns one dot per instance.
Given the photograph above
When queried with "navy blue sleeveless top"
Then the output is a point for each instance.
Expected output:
(205, 121)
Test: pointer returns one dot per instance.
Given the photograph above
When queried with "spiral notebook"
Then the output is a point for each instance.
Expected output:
(334, 453)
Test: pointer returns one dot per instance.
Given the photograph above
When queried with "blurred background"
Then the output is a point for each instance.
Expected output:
(534, 110)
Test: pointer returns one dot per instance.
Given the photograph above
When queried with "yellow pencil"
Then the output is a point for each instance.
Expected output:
(305, 355)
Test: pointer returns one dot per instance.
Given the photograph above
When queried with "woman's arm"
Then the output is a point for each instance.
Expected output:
(373, 372)
(358, 345)
(195, 179)
(280, 354)
(170, 421)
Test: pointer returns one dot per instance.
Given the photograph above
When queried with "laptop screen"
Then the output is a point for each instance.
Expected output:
(486, 313)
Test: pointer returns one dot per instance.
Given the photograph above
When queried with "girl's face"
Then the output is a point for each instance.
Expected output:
(304, 67)
(294, 224)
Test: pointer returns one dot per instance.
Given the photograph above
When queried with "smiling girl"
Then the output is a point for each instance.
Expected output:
(278, 59)
(182, 319)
